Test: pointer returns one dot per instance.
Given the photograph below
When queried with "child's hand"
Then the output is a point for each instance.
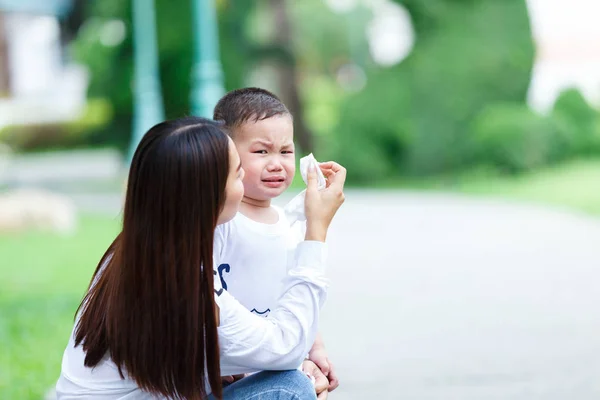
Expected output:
(321, 205)
(328, 171)
(232, 378)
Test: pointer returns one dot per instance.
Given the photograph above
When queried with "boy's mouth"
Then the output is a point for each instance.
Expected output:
(274, 179)
(274, 182)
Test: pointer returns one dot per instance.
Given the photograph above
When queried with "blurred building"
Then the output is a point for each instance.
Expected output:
(567, 35)
(38, 85)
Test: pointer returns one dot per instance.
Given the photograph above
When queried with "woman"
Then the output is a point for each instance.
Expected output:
(155, 322)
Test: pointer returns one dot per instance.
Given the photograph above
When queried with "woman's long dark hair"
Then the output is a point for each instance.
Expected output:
(150, 305)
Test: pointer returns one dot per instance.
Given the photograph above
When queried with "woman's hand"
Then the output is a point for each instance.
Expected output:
(321, 205)
(231, 378)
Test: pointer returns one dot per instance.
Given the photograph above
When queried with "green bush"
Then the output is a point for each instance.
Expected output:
(372, 144)
(467, 55)
(515, 139)
(581, 121)
(96, 115)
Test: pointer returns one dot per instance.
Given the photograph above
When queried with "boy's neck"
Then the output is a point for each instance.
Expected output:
(250, 202)
(259, 210)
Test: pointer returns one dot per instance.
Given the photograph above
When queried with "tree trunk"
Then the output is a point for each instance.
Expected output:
(288, 75)
(4, 71)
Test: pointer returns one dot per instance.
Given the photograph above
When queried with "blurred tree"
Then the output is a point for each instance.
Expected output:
(4, 71)
(580, 119)
(414, 116)
(279, 45)
(288, 74)
(251, 34)
(513, 138)
(110, 64)
(262, 35)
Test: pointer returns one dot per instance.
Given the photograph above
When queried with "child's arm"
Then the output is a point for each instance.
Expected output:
(318, 352)
(318, 355)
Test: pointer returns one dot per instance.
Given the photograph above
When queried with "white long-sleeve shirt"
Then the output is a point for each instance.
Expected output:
(247, 342)
(253, 258)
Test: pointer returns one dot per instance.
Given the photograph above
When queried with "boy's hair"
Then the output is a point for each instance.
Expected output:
(242, 105)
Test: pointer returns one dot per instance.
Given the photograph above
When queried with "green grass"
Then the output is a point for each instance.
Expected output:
(42, 279)
(574, 184)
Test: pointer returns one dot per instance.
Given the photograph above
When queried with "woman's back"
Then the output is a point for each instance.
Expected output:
(77, 382)
(151, 305)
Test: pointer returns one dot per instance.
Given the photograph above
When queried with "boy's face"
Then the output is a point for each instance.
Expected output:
(266, 150)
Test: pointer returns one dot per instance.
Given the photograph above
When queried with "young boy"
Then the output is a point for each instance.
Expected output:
(252, 249)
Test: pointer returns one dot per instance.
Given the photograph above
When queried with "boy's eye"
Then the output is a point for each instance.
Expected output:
(287, 152)
(260, 152)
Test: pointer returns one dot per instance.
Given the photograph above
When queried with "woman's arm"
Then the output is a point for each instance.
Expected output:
(282, 340)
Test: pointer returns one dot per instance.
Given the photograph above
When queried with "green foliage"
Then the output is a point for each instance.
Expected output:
(375, 132)
(236, 48)
(515, 139)
(570, 184)
(248, 39)
(581, 121)
(456, 101)
(111, 67)
(468, 55)
(97, 114)
(323, 40)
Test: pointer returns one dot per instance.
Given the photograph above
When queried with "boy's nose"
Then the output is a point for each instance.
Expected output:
(274, 166)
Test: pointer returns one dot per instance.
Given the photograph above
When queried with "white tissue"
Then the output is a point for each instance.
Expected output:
(305, 163)
(294, 210)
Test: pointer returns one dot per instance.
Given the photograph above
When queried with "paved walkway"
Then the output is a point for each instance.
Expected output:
(443, 297)
(50, 168)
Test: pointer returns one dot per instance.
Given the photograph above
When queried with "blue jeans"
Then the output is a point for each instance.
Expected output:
(271, 385)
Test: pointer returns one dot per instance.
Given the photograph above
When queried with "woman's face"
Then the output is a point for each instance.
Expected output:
(234, 191)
